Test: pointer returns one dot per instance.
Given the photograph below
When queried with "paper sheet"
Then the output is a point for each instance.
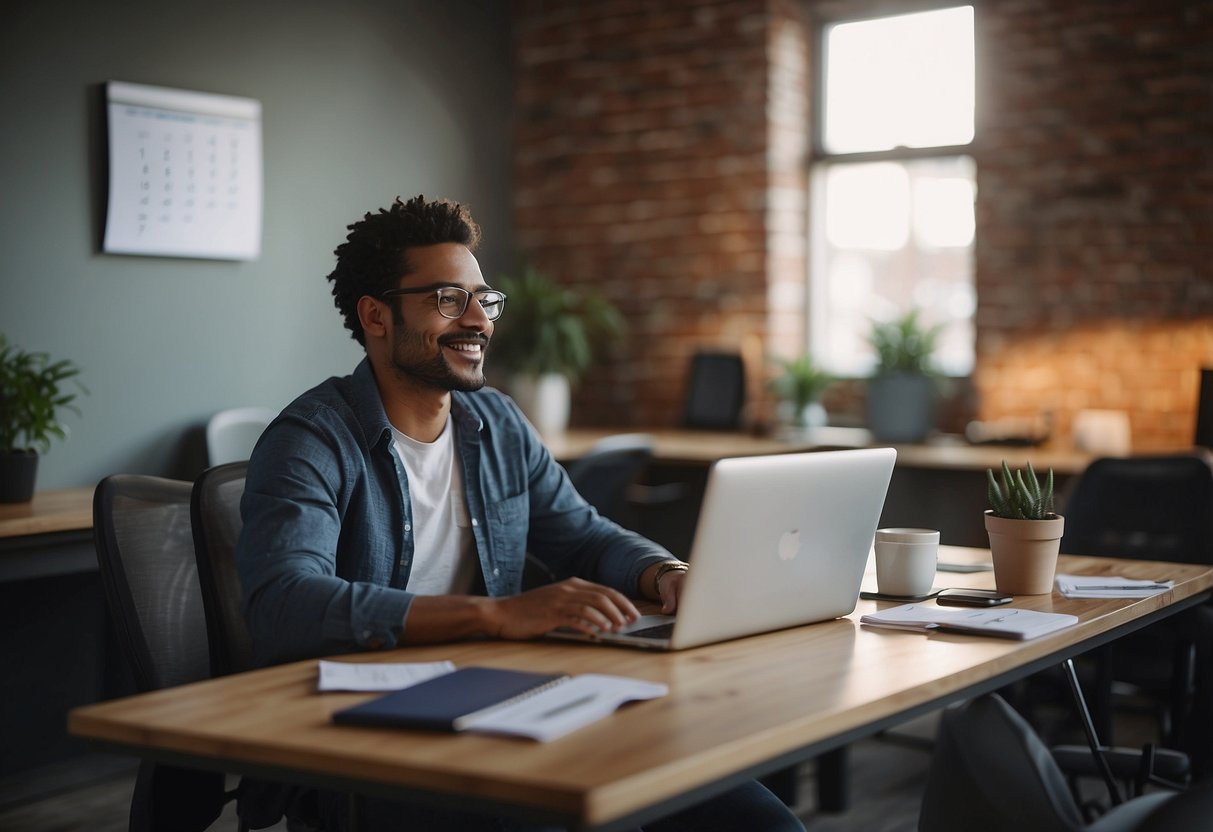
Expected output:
(377, 676)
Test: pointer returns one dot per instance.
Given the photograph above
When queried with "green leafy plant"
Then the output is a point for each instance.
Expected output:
(31, 396)
(1020, 497)
(904, 345)
(547, 328)
(800, 384)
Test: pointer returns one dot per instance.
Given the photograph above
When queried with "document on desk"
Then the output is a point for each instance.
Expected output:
(1108, 586)
(1000, 623)
(539, 706)
(377, 676)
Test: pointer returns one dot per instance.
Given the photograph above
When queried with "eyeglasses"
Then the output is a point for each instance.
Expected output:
(453, 300)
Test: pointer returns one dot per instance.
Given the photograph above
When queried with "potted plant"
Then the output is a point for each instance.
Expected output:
(1025, 532)
(546, 342)
(31, 396)
(901, 392)
(799, 387)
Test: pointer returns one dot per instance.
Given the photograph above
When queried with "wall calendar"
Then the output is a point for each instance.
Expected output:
(184, 173)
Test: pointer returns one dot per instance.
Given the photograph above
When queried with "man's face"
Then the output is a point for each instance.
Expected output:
(444, 353)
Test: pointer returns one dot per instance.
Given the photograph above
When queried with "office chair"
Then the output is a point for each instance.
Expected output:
(990, 771)
(215, 512)
(1204, 410)
(715, 391)
(605, 474)
(1153, 508)
(231, 434)
(145, 551)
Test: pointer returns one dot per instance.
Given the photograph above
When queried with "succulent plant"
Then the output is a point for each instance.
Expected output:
(1020, 497)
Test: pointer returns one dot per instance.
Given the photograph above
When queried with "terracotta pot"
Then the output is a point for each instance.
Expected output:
(1024, 553)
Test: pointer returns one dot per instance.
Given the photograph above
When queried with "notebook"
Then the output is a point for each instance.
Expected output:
(781, 541)
(540, 706)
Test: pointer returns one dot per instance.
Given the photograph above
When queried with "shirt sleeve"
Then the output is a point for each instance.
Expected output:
(296, 604)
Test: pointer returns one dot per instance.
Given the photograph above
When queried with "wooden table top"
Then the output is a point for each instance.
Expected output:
(62, 510)
(704, 447)
(733, 707)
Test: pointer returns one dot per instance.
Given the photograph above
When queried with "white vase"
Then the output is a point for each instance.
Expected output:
(544, 401)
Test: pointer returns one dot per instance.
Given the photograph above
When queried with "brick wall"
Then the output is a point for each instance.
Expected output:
(1095, 211)
(659, 160)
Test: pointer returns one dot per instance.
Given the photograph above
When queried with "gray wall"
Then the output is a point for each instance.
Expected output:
(361, 101)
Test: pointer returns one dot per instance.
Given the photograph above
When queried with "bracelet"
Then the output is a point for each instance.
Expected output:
(667, 566)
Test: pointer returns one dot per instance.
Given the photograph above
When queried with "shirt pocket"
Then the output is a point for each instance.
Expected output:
(508, 524)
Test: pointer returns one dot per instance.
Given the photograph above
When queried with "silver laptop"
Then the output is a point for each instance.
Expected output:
(781, 541)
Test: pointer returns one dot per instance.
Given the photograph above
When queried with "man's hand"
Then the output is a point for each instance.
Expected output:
(667, 589)
(582, 605)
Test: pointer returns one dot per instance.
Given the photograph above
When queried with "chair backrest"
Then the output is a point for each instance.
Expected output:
(145, 549)
(715, 391)
(231, 434)
(603, 474)
(990, 771)
(1204, 409)
(215, 508)
(1142, 507)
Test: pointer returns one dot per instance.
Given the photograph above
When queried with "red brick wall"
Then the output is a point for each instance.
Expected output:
(1095, 210)
(658, 160)
(644, 171)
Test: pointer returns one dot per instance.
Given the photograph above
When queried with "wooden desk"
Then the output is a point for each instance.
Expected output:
(65, 510)
(735, 710)
(693, 447)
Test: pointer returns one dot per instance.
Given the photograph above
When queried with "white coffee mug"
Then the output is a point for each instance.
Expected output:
(905, 561)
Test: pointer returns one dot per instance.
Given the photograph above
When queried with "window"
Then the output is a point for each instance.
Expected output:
(893, 186)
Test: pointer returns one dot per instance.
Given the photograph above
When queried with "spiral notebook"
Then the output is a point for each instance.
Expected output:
(541, 706)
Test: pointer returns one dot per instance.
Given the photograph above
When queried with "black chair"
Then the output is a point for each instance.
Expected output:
(1152, 508)
(215, 512)
(145, 550)
(990, 771)
(715, 391)
(606, 474)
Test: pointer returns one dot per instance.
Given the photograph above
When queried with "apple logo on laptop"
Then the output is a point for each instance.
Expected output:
(789, 544)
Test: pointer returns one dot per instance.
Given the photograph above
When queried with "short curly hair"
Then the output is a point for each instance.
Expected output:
(373, 256)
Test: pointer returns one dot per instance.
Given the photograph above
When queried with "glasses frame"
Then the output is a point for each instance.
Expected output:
(467, 298)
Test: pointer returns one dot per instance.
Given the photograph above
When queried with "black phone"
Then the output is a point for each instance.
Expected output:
(972, 598)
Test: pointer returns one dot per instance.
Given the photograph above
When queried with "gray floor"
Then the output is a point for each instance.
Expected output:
(886, 782)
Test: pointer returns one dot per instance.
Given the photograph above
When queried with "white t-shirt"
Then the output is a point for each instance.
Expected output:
(444, 551)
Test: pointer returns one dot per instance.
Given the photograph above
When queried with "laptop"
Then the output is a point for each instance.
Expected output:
(781, 541)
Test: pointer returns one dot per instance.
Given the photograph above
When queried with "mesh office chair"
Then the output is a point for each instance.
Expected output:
(215, 509)
(990, 771)
(1153, 508)
(715, 391)
(145, 550)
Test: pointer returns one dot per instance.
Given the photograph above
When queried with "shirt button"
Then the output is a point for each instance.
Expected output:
(475, 522)
(496, 571)
(408, 527)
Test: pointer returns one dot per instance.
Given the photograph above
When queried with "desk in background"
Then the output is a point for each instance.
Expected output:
(54, 634)
(938, 485)
(735, 710)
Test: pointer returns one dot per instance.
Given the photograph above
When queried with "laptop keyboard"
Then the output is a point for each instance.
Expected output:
(658, 631)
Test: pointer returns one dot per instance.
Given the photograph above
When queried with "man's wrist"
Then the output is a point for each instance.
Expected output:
(664, 568)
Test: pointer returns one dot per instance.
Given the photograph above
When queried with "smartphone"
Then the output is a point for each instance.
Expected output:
(972, 598)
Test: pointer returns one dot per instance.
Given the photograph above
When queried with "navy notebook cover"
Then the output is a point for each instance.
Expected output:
(446, 702)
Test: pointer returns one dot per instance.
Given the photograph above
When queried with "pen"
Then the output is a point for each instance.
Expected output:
(1111, 587)
(567, 706)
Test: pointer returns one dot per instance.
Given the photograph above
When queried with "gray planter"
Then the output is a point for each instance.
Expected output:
(900, 407)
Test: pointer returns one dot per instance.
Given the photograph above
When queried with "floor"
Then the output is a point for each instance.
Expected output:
(887, 778)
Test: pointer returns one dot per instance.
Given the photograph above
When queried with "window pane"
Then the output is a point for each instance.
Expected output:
(896, 236)
(899, 81)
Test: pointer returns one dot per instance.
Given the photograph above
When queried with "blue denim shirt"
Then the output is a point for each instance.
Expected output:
(327, 544)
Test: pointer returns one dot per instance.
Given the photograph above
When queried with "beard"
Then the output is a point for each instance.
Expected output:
(411, 357)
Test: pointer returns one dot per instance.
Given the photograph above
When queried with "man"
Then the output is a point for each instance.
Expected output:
(396, 505)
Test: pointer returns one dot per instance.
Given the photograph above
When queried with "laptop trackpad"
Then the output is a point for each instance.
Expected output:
(650, 626)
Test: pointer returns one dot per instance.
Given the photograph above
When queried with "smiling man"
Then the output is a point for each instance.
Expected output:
(396, 505)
